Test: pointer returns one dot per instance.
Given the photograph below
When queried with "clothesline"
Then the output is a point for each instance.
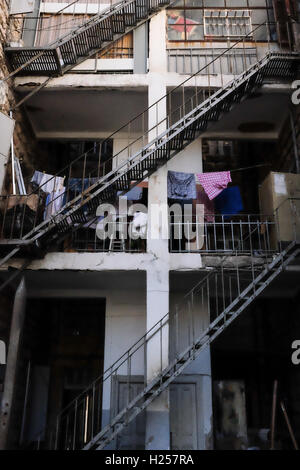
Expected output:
(180, 186)
(250, 167)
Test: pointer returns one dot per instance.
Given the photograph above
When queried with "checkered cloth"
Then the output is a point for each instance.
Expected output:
(209, 207)
(213, 183)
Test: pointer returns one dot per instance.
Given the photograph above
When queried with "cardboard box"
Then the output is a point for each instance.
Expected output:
(279, 194)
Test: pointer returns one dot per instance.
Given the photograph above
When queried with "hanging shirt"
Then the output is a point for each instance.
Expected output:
(214, 182)
(77, 185)
(209, 208)
(54, 202)
(139, 225)
(181, 185)
(229, 202)
(134, 194)
(48, 183)
(37, 177)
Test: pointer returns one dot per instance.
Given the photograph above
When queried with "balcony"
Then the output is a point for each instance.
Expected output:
(190, 60)
(244, 234)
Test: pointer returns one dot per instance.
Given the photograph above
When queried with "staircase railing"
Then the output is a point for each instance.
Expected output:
(142, 133)
(223, 234)
(84, 40)
(68, 18)
(205, 310)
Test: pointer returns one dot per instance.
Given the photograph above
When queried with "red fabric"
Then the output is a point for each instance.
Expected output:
(214, 182)
(209, 209)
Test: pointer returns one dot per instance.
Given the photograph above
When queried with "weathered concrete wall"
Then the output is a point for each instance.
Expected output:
(125, 323)
(24, 142)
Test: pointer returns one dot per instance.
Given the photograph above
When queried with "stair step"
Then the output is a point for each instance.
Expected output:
(87, 39)
(181, 361)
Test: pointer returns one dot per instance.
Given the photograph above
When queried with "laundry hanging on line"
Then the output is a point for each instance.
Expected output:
(134, 194)
(76, 185)
(181, 185)
(214, 183)
(229, 202)
(209, 208)
(48, 183)
(139, 224)
(54, 202)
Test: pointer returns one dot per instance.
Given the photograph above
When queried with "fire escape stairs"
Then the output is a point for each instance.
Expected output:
(162, 381)
(150, 157)
(98, 440)
(70, 51)
(84, 41)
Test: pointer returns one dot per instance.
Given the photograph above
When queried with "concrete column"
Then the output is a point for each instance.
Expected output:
(157, 74)
(140, 49)
(16, 330)
(157, 43)
(31, 22)
(6, 131)
(157, 416)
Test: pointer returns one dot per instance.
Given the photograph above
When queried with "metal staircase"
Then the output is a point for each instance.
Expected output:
(158, 144)
(83, 41)
(222, 295)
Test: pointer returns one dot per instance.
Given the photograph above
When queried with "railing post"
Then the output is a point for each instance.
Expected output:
(276, 214)
(56, 433)
(176, 332)
(145, 361)
(74, 426)
(128, 376)
(161, 346)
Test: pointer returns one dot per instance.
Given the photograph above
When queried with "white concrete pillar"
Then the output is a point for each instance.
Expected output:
(157, 416)
(157, 74)
(16, 331)
(140, 48)
(6, 132)
(157, 43)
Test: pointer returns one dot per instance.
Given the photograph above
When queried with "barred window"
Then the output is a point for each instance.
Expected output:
(199, 20)
(227, 23)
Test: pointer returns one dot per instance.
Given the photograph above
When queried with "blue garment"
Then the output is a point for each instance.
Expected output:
(181, 185)
(75, 184)
(134, 194)
(229, 201)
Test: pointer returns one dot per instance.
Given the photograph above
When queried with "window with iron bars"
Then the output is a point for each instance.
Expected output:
(227, 23)
(202, 20)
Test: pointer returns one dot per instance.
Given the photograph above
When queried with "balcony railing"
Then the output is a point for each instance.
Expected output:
(190, 60)
(224, 234)
(242, 234)
(119, 238)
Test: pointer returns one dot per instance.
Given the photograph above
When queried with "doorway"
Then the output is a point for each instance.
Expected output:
(186, 426)
(63, 351)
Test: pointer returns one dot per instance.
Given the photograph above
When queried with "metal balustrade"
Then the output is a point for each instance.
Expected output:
(210, 307)
(189, 60)
(191, 107)
(118, 238)
(84, 40)
(247, 234)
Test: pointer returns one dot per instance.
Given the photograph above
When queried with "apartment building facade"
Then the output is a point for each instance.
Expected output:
(140, 308)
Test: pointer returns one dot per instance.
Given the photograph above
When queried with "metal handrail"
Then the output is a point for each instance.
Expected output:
(231, 286)
(101, 16)
(152, 106)
(112, 175)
